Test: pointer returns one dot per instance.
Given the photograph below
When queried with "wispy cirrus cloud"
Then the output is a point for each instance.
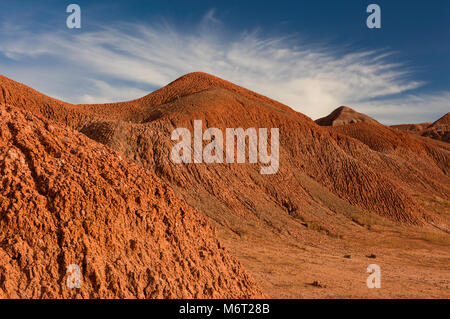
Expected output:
(128, 60)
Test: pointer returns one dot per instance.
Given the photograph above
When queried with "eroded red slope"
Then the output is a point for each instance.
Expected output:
(66, 199)
(344, 115)
(361, 171)
(439, 130)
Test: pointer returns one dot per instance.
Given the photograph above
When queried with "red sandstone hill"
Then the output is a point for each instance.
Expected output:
(412, 128)
(439, 130)
(66, 199)
(141, 130)
(332, 181)
(305, 149)
(344, 115)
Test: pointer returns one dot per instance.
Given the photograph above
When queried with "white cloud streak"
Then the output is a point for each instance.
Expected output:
(117, 63)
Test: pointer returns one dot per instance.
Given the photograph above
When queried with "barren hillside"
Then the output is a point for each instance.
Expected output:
(66, 199)
(337, 188)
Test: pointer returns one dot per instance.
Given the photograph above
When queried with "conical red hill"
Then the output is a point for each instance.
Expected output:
(344, 115)
(189, 85)
(445, 120)
(440, 129)
(305, 149)
(68, 200)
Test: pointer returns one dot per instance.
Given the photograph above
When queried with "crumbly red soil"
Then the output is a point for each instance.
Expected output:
(66, 199)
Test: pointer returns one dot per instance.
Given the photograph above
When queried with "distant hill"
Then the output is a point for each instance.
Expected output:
(439, 130)
(344, 115)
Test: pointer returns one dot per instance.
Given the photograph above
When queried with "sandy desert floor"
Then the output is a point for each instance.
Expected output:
(414, 264)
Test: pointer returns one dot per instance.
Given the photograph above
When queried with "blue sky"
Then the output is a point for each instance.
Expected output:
(311, 55)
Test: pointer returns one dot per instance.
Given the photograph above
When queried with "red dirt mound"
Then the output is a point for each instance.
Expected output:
(412, 128)
(344, 115)
(422, 166)
(19, 95)
(305, 149)
(66, 199)
(187, 85)
(439, 130)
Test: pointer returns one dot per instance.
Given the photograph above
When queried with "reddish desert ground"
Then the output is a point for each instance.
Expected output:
(94, 185)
